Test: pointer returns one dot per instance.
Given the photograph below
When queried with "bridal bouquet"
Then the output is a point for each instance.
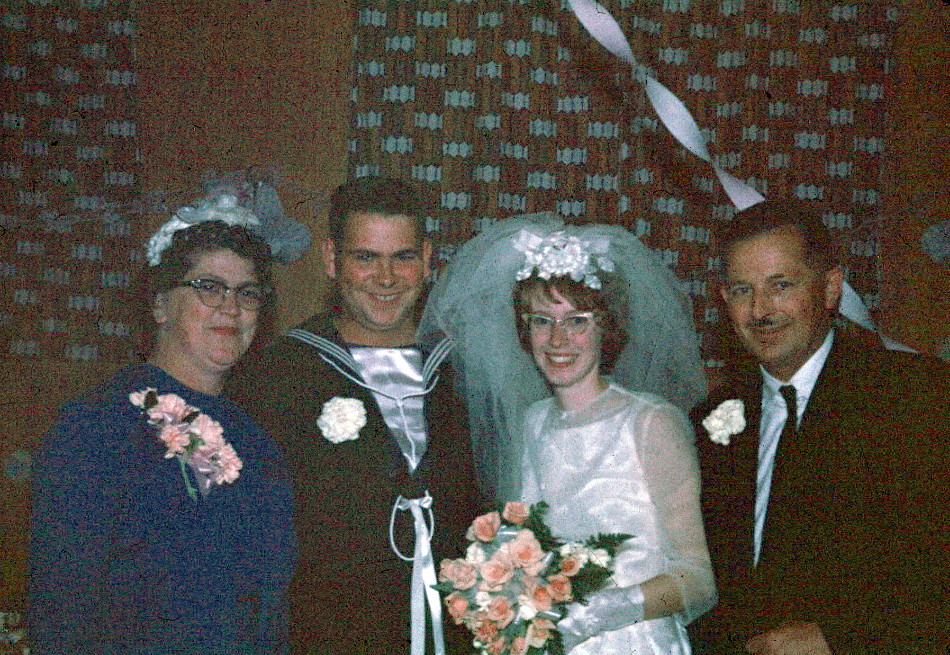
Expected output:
(516, 580)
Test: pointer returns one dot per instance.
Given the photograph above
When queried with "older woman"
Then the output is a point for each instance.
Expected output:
(162, 516)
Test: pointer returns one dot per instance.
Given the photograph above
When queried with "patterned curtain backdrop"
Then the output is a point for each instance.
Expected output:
(500, 107)
(68, 244)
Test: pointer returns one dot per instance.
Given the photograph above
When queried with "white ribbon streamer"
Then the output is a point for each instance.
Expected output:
(853, 308)
(423, 575)
(677, 119)
(670, 109)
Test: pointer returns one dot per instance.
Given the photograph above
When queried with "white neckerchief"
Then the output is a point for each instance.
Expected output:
(774, 415)
(394, 376)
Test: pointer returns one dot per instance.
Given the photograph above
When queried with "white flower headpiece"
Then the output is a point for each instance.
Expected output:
(216, 208)
(560, 253)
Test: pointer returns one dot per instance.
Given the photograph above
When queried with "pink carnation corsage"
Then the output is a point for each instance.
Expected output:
(193, 437)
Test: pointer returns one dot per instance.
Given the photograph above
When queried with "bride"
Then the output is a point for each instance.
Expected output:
(580, 302)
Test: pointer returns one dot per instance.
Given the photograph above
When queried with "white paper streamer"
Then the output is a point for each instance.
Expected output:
(670, 109)
(677, 119)
(853, 308)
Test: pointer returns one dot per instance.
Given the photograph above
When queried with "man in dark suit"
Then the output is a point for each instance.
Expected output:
(375, 437)
(826, 511)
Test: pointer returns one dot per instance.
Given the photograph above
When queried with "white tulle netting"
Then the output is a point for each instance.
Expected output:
(472, 303)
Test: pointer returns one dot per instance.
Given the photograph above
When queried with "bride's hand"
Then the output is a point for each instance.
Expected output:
(609, 609)
(575, 627)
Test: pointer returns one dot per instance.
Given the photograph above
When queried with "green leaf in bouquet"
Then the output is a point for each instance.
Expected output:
(535, 523)
(444, 587)
(537, 512)
(609, 541)
(554, 645)
(589, 579)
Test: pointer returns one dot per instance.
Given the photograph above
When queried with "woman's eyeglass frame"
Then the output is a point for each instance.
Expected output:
(249, 296)
(575, 323)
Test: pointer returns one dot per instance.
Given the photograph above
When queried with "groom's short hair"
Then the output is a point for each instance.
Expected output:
(820, 251)
(374, 195)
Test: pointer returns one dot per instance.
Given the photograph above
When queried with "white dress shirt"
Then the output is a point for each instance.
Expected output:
(774, 414)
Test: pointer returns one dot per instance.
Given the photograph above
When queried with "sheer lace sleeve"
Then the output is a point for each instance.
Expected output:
(529, 489)
(666, 448)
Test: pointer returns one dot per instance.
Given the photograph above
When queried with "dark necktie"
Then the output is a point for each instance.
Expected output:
(788, 433)
(791, 402)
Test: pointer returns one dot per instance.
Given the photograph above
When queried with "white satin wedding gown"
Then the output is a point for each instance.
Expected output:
(626, 463)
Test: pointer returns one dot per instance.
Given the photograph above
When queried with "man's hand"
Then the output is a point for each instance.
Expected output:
(795, 638)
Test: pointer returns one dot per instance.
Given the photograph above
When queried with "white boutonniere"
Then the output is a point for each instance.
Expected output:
(726, 420)
(341, 419)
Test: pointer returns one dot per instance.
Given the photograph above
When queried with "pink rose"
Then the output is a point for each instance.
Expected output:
(485, 630)
(484, 527)
(541, 599)
(537, 596)
(176, 439)
(516, 512)
(445, 568)
(462, 574)
(501, 611)
(559, 586)
(496, 647)
(169, 409)
(525, 551)
(496, 572)
(519, 646)
(457, 606)
(538, 632)
(570, 565)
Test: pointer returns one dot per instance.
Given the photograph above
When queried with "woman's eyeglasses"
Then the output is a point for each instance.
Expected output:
(211, 293)
(575, 324)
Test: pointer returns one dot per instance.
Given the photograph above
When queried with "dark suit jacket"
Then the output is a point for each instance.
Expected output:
(350, 592)
(856, 531)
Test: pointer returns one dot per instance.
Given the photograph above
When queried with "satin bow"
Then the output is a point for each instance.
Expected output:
(423, 574)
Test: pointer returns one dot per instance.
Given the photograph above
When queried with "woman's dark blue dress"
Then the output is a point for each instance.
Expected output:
(122, 560)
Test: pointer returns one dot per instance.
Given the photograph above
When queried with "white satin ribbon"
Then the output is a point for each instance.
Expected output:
(670, 109)
(423, 575)
(677, 119)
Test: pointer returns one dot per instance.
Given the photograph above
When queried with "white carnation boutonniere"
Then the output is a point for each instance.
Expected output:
(341, 419)
(726, 420)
